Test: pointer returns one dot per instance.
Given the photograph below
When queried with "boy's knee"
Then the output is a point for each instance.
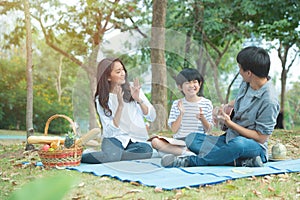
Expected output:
(156, 143)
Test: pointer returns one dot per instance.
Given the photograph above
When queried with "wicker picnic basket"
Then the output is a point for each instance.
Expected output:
(64, 157)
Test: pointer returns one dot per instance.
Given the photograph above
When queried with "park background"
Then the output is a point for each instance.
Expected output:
(50, 50)
(155, 41)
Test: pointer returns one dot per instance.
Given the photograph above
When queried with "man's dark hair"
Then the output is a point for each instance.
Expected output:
(255, 59)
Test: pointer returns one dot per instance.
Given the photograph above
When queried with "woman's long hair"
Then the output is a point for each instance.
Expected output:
(103, 85)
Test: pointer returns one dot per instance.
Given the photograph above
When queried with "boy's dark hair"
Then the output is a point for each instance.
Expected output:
(190, 74)
(255, 59)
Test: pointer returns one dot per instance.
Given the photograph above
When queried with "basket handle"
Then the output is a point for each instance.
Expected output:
(57, 116)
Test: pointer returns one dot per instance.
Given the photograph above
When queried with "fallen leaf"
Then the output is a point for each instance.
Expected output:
(135, 183)
(271, 189)
(81, 184)
(178, 194)
(229, 181)
(285, 175)
(121, 196)
(282, 180)
(18, 165)
(268, 177)
(257, 193)
(295, 145)
(265, 181)
(14, 183)
(14, 174)
(99, 194)
(105, 178)
(157, 189)
(135, 191)
(252, 178)
(77, 197)
(208, 186)
(5, 179)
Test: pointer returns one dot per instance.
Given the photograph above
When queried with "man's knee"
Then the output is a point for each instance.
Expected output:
(239, 143)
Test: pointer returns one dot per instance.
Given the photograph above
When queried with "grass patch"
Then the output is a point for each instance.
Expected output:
(16, 176)
(12, 132)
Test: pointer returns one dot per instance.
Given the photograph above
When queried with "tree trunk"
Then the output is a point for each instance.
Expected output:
(92, 110)
(214, 66)
(92, 73)
(280, 121)
(159, 70)
(187, 49)
(229, 87)
(29, 105)
(58, 78)
(282, 54)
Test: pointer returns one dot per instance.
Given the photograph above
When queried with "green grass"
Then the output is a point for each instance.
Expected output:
(12, 132)
(17, 132)
(15, 177)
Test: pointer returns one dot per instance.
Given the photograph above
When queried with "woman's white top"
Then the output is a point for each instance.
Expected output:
(132, 125)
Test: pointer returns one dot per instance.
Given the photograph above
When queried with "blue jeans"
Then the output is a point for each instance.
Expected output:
(112, 150)
(213, 150)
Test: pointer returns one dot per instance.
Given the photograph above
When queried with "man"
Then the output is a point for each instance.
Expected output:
(256, 108)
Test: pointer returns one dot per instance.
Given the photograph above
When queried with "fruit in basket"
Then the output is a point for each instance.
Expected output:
(50, 149)
(46, 147)
(54, 144)
(69, 140)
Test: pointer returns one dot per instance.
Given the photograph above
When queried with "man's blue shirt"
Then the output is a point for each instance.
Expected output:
(255, 110)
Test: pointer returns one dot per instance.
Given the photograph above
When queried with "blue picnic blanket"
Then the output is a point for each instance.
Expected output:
(149, 172)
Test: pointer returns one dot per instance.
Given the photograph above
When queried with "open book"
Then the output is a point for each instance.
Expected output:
(172, 141)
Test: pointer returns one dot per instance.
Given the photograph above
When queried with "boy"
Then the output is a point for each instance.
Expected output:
(190, 114)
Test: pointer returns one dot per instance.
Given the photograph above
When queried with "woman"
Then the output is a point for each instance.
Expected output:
(122, 108)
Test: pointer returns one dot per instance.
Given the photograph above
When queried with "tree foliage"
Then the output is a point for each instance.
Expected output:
(76, 31)
(13, 93)
(202, 34)
(278, 21)
(213, 33)
(293, 102)
(13, 99)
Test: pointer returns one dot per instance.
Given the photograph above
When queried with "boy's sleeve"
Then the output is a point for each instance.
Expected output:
(174, 113)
